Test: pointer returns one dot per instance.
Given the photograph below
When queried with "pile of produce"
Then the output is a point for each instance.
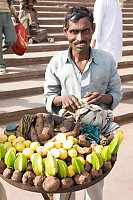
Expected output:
(50, 152)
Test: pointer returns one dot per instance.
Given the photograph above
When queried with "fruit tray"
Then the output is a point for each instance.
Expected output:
(60, 190)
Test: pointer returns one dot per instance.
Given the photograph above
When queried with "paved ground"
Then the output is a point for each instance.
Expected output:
(118, 184)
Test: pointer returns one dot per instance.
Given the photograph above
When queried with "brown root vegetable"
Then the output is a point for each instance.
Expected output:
(17, 176)
(58, 120)
(67, 125)
(8, 172)
(51, 184)
(113, 158)
(76, 131)
(28, 178)
(46, 134)
(49, 121)
(88, 150)
(82, 141)
(38, 181)
(33, 134)
(2, 167)
(110, 138)
(29, 167)
(39, 123)
(96, 173)
(106, 166)
(87, 166)
(67, 182)
(82, 178)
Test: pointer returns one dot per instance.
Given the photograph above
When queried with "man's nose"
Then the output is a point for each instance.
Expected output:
(79, 36)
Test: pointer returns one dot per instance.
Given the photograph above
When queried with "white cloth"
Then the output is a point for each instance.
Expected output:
(108, 32)
(94, 192)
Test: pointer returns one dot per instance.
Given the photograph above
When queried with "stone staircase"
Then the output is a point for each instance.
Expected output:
(21, 88)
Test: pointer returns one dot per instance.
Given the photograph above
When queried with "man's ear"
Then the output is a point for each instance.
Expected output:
(65, 30)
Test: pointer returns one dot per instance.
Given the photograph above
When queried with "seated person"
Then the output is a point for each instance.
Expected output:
(28, 17)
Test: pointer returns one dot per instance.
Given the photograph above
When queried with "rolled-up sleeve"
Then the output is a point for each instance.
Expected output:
(114, 87)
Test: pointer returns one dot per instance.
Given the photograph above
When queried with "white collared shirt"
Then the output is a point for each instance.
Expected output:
(63, 77)
(108, 32)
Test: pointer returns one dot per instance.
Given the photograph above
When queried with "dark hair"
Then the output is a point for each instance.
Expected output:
(76, 13)
(34, 1)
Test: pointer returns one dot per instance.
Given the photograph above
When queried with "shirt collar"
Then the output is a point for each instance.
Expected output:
(92, 58)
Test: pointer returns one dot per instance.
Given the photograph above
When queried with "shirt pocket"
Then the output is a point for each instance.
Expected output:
(98, 87)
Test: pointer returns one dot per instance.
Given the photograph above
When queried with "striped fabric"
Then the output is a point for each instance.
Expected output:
(4, 7)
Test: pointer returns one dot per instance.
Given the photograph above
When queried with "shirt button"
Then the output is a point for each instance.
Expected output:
(82, 90)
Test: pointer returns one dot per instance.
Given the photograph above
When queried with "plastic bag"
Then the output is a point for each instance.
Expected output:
(21, 45)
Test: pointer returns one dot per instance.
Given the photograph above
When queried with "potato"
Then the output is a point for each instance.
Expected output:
(67, 125)
(113, 158)
(51, 184)
(106, 166)
(28, 178)
(29, 167)
(2, 167)
(17, 176)
(49, 121)
(96, 173)
(67, 182)
(38, 181)
(82, 178)
(8, 172)
(82, 141)
(87, 166)
(88, 150)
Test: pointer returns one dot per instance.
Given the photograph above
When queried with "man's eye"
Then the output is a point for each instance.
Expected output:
(73, 32)
(86, 31)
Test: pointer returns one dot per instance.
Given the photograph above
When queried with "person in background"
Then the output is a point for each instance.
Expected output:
(81, 72)
(7, 29)
(108, 31)
(28, 17)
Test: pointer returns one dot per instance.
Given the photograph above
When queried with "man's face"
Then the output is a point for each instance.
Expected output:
(79, 34)
(30, 4)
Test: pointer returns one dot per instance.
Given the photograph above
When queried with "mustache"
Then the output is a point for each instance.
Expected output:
(80, 42)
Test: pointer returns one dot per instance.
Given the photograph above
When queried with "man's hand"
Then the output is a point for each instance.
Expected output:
(97, 98)
(68, 102)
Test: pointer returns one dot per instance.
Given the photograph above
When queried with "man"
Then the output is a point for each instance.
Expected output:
(28, 17)
(108, 32)
(81, 72)
(6, 28)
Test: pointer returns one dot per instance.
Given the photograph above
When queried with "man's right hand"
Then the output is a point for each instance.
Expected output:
(68, 102)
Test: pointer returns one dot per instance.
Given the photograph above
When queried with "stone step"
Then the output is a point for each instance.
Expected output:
(127, 50)
(59, 46)
(23, 72)
(29, 58)
(124, 111)
(127, 41)
(44, 57)
(60, 20)
(34, 86)
(61, 3)
(15, 108)
(45, 46)
(127, 61)
(126, 74)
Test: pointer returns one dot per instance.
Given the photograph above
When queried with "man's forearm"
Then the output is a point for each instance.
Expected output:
(107, 99)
